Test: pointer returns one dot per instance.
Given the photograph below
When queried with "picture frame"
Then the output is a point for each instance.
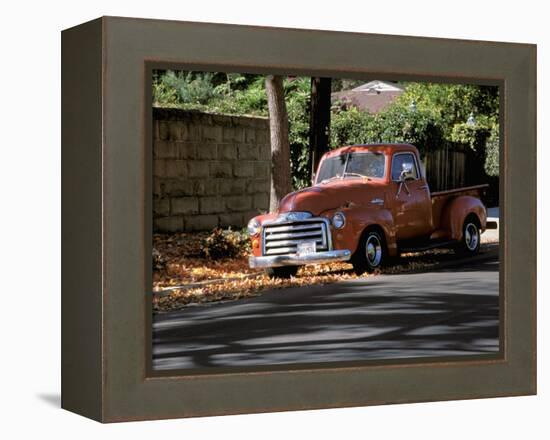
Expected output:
(107, 221)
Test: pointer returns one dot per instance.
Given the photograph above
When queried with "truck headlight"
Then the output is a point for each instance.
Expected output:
(338, 220)
(254, 226)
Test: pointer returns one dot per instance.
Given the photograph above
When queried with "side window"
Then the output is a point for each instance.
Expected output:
(403, 161)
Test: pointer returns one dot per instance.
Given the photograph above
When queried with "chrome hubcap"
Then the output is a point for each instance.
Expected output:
(471, 236)
(374, 251)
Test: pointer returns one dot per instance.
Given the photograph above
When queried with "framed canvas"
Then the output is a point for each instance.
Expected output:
(116, 366)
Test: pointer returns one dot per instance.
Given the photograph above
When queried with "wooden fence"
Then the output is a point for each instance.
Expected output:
(456, 165)
(446, 168)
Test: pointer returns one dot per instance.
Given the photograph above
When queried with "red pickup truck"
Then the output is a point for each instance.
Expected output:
(368, 203)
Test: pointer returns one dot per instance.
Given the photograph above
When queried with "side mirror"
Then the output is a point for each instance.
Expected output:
(406, 172)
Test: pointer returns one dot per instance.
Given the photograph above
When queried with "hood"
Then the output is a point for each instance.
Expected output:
(332, 195)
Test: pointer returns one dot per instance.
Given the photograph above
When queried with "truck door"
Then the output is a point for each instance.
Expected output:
(412, 210)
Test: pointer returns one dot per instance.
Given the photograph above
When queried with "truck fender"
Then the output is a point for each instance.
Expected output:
(456, 211)
(360, 219)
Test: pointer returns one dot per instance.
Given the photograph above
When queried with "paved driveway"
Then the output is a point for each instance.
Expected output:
(447, 312)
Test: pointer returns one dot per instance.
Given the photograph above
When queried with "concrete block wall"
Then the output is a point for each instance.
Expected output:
(208, 170)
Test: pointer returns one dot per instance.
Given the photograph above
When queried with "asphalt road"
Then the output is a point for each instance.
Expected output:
(447, 312)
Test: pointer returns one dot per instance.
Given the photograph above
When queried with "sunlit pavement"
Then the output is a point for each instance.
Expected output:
(448, 312)
(492, 235)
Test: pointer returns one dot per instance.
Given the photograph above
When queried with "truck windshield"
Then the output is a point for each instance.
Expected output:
(351, 165)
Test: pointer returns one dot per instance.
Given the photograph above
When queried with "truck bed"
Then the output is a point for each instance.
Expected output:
(475, 191)
(441, 198)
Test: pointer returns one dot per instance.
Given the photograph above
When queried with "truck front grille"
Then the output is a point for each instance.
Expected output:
(283, 238)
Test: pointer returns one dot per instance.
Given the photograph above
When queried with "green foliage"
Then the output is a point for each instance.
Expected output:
(475, 136)
(297, 96)
(184, 87)
(224, 244)
(352, 127)
(231, 93)
(483, 138)
(164, 95)
(402, 124)
(250, 100)
(492, 158)
(439, 116)
(397, 124)
(451, 103)
(242, 94)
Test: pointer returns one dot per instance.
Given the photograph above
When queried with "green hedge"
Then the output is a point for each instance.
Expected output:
(426, 115)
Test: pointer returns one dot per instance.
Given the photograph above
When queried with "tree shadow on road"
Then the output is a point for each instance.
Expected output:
(378, 318)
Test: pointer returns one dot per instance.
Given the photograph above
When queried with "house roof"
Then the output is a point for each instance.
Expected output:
(378, 87)
(373, 96)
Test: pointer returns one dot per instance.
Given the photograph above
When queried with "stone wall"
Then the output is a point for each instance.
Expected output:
(208, 169)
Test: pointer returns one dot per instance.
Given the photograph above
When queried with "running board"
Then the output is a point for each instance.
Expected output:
(427, 247)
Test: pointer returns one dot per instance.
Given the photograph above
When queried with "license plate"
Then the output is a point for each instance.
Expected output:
(308, 247)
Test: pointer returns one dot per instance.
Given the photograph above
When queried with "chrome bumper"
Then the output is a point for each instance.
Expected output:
(296, 260)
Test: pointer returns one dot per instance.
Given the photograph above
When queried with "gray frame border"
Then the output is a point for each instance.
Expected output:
(106, 217)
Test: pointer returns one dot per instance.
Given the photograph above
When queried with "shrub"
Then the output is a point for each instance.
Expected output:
(222, 243)
(396, 124)
(352, 127)
(492, 158)
(437, 118)
(187, 88)
(297, 95)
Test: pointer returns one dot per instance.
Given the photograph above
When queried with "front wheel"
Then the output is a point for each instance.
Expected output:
(471, 237)
(282, 272)
(371, 253)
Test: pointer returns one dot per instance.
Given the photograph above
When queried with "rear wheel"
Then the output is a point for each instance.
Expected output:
(371, 253)
(471, 236)
(282, 272)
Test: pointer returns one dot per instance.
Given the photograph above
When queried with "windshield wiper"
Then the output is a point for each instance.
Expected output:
(356, 174)
(330, 179)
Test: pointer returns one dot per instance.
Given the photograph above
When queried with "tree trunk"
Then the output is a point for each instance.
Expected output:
(280, 146)
(319, 120)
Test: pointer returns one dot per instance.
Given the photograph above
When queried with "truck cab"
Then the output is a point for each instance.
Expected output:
(367, 203)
